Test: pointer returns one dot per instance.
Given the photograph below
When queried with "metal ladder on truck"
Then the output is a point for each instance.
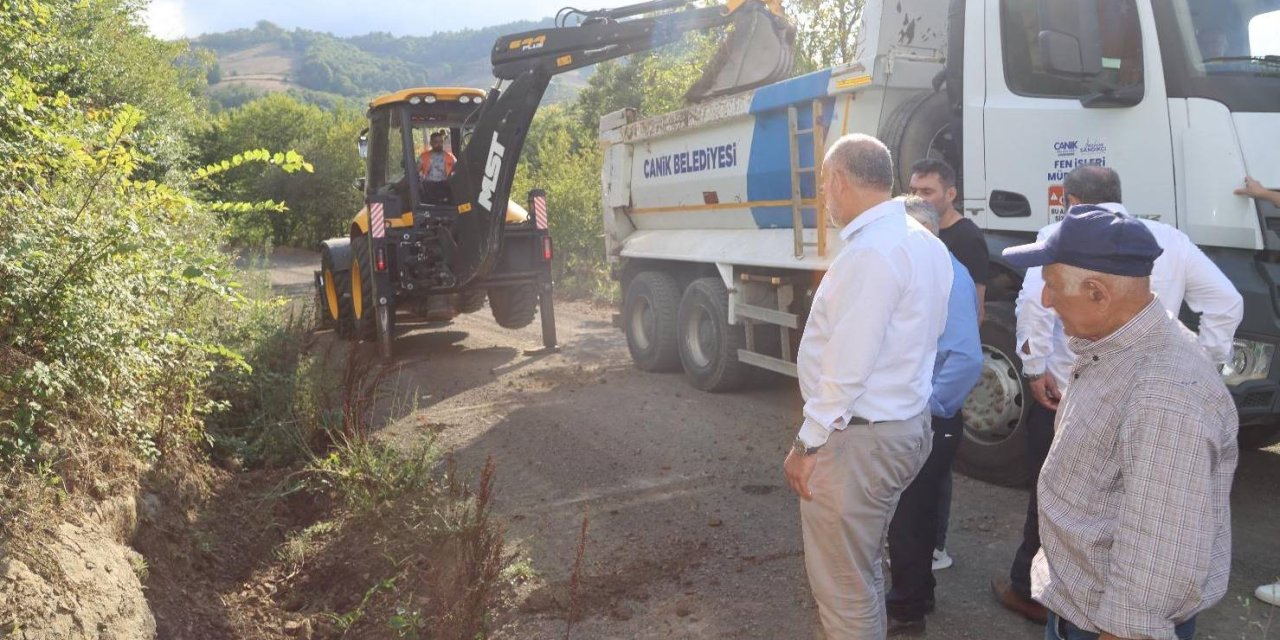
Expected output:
(778, 292)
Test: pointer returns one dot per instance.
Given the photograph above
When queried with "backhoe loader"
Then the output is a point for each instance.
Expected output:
(439, 251)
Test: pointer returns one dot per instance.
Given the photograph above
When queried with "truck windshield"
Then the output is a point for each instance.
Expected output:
(1224, 50)
(1231, 38)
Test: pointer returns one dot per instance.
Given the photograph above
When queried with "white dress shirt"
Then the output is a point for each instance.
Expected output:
(869, 346)
(1181, 272)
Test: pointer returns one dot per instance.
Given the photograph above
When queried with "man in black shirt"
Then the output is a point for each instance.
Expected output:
(935, 181)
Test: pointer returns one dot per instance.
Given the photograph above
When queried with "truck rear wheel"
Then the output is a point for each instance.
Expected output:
(994, 445)
(1258, 436)
(472, 300)
(708, 343)
(923, 127)
(337, 296)
(514, 307)
(649, 309)
(364, 322)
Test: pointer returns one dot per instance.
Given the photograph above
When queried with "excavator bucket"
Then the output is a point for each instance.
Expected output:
(758, 50)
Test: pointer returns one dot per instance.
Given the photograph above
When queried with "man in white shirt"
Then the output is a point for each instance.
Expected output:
(866, 367)
(1181, 273)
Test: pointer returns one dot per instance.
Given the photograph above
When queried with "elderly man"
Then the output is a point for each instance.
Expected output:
(1182, 272)
(1135, 514)
(865, 364)
(956, 369)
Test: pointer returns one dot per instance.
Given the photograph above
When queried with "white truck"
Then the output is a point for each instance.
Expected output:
(717, 232)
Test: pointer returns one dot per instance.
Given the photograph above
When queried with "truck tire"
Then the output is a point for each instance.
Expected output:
(338, 296)
(1258, 436)
(472, 300)
(514, 307)
(364, 322)
(708, 343)
(994, 445)
(649, 309)
(923, 127)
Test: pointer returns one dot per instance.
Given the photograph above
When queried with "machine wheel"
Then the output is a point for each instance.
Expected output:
(514, 307)
(364, 322)
(994, 445)
(1258, 436)
(923, 127)
(649, 316)
(708, 343)
(472, 300)
(337, 297)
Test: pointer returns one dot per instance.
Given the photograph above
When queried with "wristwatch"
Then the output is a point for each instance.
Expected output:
(800, 448)
(1032, 377)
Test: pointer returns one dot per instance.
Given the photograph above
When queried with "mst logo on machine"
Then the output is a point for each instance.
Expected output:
(527, 44)
(492, 167)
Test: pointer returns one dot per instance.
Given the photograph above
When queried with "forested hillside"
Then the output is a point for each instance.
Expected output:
(327, 70)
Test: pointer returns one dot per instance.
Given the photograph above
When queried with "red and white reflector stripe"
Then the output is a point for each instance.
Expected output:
(540, 212)
(377, 226)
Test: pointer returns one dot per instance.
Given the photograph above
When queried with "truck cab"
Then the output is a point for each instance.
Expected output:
(1182, 99)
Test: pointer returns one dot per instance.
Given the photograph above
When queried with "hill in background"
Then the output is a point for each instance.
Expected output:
(328, 70)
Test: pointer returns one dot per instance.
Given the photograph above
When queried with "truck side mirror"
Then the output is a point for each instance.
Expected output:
(362, 144)
(1069, 40)
(359, 184)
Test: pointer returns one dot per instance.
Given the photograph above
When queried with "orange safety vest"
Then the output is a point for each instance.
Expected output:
(424, 162)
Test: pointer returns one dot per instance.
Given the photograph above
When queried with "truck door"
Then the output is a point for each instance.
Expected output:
(1072, 83)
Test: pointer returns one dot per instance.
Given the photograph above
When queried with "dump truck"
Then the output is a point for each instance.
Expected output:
(716, 229)
(441, 248)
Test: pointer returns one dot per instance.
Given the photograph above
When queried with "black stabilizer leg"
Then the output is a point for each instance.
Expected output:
(548, 312)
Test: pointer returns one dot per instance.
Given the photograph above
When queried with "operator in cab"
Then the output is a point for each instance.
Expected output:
(435, 167)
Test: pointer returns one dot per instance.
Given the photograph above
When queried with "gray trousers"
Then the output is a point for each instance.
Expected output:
(859, 475)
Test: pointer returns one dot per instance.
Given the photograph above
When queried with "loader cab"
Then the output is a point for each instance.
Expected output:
(400, 128)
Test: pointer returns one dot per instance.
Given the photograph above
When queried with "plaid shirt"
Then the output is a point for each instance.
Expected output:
(1135, 515)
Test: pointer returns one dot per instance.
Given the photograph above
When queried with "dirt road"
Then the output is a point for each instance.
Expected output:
(692, 532)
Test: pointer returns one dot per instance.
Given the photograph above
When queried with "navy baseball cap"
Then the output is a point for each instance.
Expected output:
(1095, 239)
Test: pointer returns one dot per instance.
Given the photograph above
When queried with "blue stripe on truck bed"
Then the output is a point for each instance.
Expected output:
(803, 88)
(769, 171)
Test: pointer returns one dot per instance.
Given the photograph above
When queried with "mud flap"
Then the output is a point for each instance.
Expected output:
(760, 49)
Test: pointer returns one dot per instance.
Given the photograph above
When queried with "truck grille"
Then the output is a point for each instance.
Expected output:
(1257, 399)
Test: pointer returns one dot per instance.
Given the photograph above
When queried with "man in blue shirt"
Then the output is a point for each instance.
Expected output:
(955, 372)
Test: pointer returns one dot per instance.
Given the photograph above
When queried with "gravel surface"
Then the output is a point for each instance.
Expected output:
(692, 531)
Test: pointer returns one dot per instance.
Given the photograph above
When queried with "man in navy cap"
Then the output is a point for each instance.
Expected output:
(1134, 496)
(1182, 274)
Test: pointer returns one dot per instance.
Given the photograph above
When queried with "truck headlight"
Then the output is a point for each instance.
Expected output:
(1249, 361)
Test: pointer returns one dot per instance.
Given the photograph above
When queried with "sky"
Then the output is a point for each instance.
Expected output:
(190, 18)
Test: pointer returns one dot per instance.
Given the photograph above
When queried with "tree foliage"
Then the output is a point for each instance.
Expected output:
(826, 30)
(120, 316)
(320, 200)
